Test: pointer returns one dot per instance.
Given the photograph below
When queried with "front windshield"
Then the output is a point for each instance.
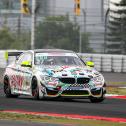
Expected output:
(66, 59)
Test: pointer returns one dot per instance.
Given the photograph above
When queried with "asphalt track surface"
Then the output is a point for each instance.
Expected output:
(119, 79)
(109, 108)
(23, 123)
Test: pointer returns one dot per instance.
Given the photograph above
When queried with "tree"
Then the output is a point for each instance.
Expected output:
(9, 40)
(59, 32)
(5, 39)
(85, 43)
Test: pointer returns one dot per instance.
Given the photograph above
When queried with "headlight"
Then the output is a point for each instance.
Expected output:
(98, 80)
(49, 79)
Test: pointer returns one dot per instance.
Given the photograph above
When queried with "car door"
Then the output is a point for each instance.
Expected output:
(15, 80)
(24, 74)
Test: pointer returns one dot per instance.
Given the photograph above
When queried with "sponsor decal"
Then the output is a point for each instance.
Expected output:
(64, 67)
(53, 83)
(58, 70)
(50, 72)
(17, 80)
(75, 71)
(74, 88)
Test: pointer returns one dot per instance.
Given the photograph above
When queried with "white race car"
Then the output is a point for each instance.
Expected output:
(53, 73)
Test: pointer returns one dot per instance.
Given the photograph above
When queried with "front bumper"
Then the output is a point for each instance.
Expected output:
(85, 93)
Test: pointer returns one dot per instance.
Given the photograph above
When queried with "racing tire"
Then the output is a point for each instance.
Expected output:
(68, 99)
(35, 89)
(43, 90)
(7, 89)
(96, 100)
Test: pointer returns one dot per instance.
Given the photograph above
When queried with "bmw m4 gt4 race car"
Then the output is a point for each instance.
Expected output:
(53, 73)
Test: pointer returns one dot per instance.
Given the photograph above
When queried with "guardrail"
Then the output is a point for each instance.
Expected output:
(107, 62)
(103, 62)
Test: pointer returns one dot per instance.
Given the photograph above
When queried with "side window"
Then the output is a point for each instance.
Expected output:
(24, 57)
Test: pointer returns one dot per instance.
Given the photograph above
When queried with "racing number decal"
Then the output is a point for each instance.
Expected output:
(17, 81)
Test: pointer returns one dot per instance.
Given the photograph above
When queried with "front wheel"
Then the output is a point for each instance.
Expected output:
(35, 89)
(97, 100)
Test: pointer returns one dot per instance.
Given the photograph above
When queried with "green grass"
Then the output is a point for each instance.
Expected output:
(116, 83)
(53, 120)
(116, 90)
(72, 122)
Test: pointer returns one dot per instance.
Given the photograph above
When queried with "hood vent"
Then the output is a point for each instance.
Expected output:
(64, 74)
(81, 73)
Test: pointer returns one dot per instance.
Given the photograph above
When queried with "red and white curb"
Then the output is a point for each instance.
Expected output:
(115, 96)
(70, 116)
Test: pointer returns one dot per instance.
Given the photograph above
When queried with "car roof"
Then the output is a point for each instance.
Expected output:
(52, 50)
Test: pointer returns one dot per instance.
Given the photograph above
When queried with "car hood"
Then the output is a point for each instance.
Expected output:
(69, 71)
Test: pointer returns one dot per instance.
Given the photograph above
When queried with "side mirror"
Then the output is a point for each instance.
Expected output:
(26, 64)
(90, 64)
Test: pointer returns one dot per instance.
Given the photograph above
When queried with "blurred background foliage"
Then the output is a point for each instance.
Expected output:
(52, 32)
(60, 32)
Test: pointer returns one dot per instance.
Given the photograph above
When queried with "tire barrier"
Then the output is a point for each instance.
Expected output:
(106, 62)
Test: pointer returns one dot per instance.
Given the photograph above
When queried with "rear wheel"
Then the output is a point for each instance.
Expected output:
(7, 89)
(35, 89)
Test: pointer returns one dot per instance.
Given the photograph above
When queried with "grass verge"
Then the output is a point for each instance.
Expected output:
(53, 120)
(116, 83)
(116, 90)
